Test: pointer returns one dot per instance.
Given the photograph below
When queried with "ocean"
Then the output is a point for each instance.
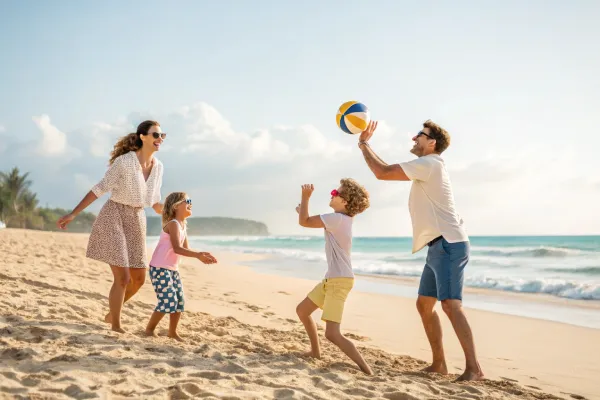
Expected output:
(564, 267)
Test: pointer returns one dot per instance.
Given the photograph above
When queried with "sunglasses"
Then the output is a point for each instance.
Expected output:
(187, 201)
(157, 135)
(423, 133)
(335, 193)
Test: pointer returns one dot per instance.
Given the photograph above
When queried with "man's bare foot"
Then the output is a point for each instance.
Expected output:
(108, 318)
(119, 330)
(469, 375)
(176, 337)
(439, 368)
(309, 354)
(150, 333)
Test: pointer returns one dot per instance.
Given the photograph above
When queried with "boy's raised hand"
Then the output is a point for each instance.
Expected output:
(206, 258)
(307, 190)
(298, 208)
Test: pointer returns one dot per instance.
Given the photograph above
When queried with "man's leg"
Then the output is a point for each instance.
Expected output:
(451, 277)
(456, 314)
(433, 329)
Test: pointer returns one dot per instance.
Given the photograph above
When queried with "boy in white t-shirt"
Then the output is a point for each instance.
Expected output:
(330, 294)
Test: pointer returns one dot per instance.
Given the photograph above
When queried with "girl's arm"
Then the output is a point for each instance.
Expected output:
(173, 231)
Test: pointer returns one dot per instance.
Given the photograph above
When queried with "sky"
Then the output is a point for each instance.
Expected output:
(248, 92)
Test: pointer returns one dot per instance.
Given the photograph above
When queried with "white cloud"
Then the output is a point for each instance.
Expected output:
(2, 128)
(257, 174)
(54, 142)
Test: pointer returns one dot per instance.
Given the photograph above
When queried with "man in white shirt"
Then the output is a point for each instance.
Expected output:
(435, 224)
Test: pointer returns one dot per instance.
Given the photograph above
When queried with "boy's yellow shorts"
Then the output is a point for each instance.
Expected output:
(330, 296)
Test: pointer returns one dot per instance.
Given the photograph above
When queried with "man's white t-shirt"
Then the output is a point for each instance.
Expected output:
(431, 202)
(338, 245)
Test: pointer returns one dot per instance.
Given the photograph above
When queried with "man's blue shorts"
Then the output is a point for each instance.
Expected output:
(443, 274)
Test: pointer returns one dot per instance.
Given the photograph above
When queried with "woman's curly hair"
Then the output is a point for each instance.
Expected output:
(171, 203)
(131, 142)
(356, 196)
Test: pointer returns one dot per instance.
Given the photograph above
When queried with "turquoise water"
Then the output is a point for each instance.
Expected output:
(562, 266)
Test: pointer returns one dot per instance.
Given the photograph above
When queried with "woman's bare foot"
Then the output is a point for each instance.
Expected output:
(469, 375)
(176, 337)
(309, 354)
(119, 330)
(150, 333)
(108, 318)
(439, 368)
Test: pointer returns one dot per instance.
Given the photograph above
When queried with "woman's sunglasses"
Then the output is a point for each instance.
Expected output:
(335, 193)
(188, 201)
(157, 135)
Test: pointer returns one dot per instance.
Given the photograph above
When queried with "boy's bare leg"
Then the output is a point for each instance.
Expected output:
(334, 335)
(304, 311)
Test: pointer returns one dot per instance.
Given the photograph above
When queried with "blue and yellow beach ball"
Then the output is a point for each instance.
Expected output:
(353, 117)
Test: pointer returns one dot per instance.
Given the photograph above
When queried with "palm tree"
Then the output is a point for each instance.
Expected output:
(17, 202)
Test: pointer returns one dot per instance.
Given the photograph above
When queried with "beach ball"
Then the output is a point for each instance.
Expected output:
(353, 117)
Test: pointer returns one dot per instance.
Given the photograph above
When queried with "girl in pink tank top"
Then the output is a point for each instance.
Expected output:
(164, 272)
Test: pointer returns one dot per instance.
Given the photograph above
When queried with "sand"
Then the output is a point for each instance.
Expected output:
(243, 340)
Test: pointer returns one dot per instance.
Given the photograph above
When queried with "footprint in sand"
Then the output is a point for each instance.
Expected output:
(286, 293)
(509, 379)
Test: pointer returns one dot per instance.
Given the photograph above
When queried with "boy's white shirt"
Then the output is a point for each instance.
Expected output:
(338, 245)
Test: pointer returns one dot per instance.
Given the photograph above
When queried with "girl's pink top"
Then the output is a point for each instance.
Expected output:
(164, 256)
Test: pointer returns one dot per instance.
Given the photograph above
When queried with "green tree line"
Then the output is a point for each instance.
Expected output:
(19, 206)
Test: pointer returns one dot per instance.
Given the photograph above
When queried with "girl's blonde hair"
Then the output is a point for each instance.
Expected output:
(171, 202)
(131, 142)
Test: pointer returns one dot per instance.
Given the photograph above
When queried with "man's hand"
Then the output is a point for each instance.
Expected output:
(298, 209)
(367, 133)
(307, 191)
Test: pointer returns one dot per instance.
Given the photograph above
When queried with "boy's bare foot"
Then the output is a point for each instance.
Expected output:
(108, 318)
(469, 375)
(176, 337)
(150, 333)
(309, 354)
(439, 368)
(367, 370)
(119, 330)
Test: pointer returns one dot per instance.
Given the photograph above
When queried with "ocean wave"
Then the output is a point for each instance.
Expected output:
(540, 251)
(577, 270)
(555, 287)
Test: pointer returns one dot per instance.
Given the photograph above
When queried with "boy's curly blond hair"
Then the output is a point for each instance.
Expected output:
(356, 196)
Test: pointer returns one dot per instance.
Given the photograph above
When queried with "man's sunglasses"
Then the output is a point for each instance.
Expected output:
(157, 135)
(423, 133)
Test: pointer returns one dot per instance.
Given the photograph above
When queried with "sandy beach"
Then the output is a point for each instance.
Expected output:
(243, 339)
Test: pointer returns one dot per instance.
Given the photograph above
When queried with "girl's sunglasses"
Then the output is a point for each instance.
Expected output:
(188, 202)
(157, 135)
(335, 193)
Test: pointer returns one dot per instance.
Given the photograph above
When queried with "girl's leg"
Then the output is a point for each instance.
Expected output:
(154, 320)
(117, 294)
(173, 321)
(333, 334)
(304, 311)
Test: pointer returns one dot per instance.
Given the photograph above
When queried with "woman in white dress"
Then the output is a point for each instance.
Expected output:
(118, 235)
